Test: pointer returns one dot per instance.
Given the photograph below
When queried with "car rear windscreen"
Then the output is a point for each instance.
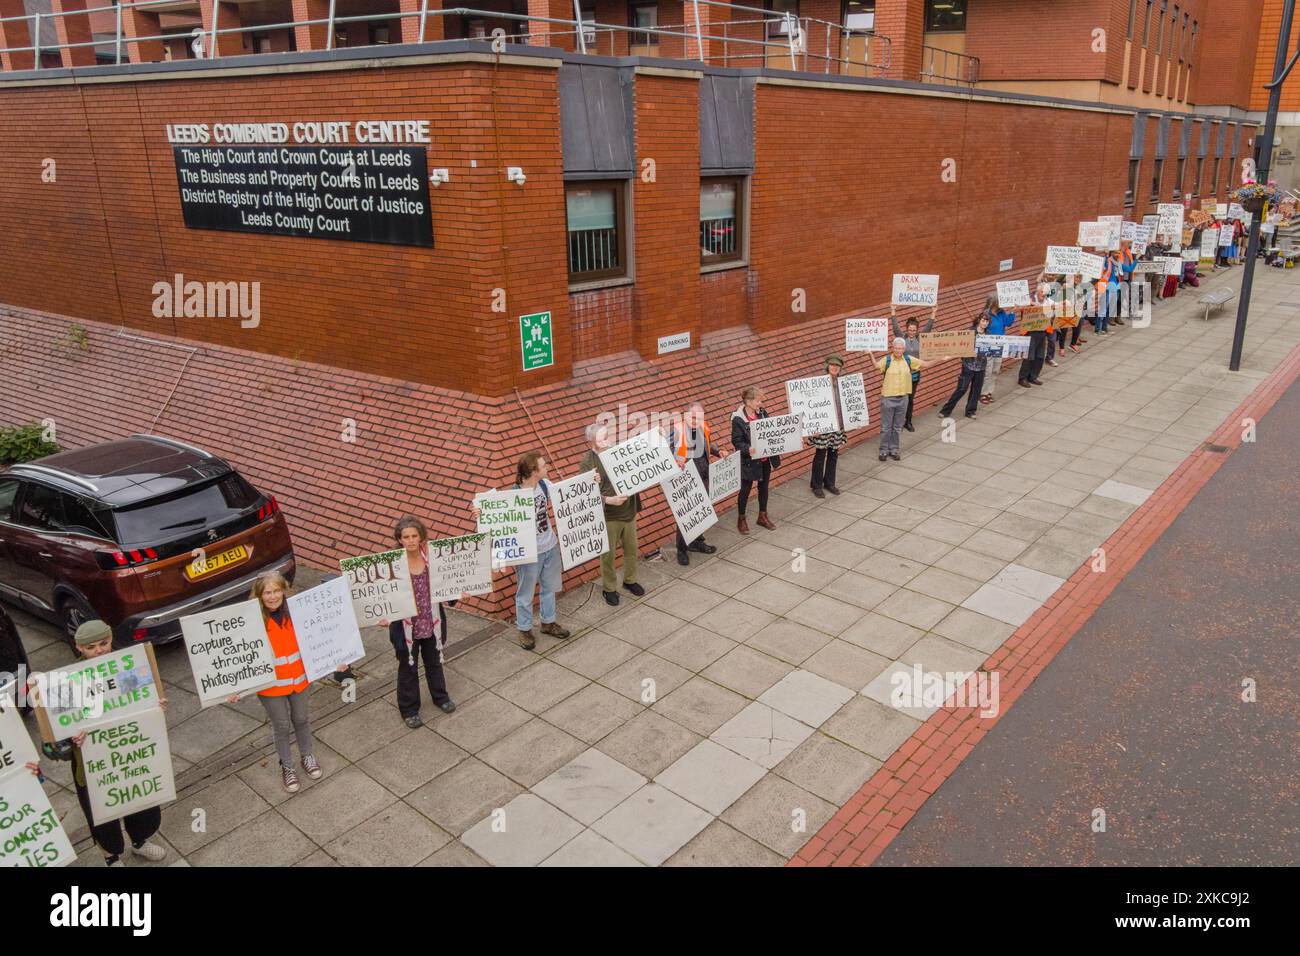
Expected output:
(194, 509)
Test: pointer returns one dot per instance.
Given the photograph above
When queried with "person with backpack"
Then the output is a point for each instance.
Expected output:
(972, 374)
(895, 389)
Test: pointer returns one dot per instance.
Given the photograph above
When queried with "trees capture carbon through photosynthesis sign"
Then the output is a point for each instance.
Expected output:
(357, 193)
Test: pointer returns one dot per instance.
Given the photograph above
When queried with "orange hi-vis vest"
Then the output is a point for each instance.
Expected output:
(1107, 271)
(290, 672)
(682, 452)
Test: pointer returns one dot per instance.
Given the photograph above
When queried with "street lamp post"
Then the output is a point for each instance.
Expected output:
(1281, 68)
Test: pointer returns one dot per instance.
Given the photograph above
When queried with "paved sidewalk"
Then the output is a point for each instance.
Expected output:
(726, 716)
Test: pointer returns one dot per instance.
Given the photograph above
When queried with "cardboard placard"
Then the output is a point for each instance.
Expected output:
(325, 627)
(510, 517)
(459, 566)
(866, 335)
(779, 435)
(229, 651)
(938, 345)
(1014, 294)
(913, 289)
(31, 834)
(579, 518)
(1063, 260)
(128, 766)
(853, 401)
(639, 463)
(380, 586)
(724, 477)
(689, 502)
(813, 400)
(1034, 320)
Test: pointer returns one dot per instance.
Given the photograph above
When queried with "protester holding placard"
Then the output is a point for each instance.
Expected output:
(828, 444)
(895, 389)
(620, 520)
(694, 444)
(912, 338)
(972, 375)
(1108, 292)
(547, 570)
(1000, 321)
(753, 471)
(1127, 263)
(422, 636)
(94, 639)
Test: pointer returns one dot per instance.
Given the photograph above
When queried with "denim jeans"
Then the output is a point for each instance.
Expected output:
(548, 569)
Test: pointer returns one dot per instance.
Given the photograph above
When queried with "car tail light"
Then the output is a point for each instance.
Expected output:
(271, 507)
(139, 634)
(116, 560)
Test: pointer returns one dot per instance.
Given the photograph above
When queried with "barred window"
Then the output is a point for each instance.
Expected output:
(721, 219)
(597, 231)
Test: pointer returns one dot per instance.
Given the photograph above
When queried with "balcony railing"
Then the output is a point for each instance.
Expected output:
(945, 66)
(780, 41)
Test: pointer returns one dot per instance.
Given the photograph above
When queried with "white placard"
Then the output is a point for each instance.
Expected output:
(690, 504)
(1006, 346)
(1267, 228)
(229, 651)
(1094, 235)
(1063, 260)
(674, 343)
(1220, 210)
(639, 463)
(1090, 266)
(782, 435)
(1173, 264)
(1128, 231)
(813, 400)
(579, 518)
(1191, 255)
(510, 517)
(1236, 211)
(1114, 230)
(1014, 294)
(1152, 223)
(1209, 243)
(1139, 248)
(30, 832)
(1171, 218)
(913, 289)
(381, 587)
(16, 747)
(459, 566)
(724, 477)
(1154, 267)
(128, 766)
(102, 690)
(1226, 237)
(325, 627)
(866, 335)
(1145, 233)
(853, 401)
(1006, 265)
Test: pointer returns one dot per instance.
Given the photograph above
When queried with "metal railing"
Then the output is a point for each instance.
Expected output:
(945, 66)
(779, 39)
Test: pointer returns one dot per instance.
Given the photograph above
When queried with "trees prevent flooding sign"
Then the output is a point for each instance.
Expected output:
(535, 344)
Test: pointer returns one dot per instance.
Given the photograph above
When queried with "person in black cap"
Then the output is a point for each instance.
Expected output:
(94, 639)
(828, 444)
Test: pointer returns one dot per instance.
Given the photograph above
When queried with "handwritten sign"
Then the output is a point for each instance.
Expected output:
(1171, 218)
(639, 463)
(724, 477)
(1013, 295)
(853, 402)
(16, 747)
(1128, 231)
(380, 585)
(1209, 243)
(1034, 320)
(781, 435)
(510, 517)
(912, 289)
(579, 518)
(325, 627)
(1094, 235)
(813, 400)
(102, 689)
(1173, 264)
(1090, 266)
(128, 766)
(1063, 260)
(229, 651)
(937, 345)
(30, 832)
(866, 335)
(1155, 267)
(459, 566)
(1236, 211)
(1225, 237)
(689, 501)
(1007, 346)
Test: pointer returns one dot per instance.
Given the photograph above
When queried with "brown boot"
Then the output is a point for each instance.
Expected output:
(555, 630)
(742, 525)
(763, 521)
(527, 640)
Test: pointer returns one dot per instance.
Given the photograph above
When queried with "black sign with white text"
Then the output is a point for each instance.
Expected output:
(357, 193)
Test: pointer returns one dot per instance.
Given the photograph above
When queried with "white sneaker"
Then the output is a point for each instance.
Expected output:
(150, 851)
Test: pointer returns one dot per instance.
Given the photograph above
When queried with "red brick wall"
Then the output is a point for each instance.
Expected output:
(1265, 55)
(1030, 40)
(1228, 39)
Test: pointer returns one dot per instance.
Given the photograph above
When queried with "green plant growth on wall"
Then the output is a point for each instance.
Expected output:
(24, 443)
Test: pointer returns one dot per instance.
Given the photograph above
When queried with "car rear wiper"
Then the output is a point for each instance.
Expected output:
(183, 524)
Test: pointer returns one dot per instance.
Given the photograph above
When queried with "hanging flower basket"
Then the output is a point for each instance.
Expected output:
(1253, 205)
(1252, 197)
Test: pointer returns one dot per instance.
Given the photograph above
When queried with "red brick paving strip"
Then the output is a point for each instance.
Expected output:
(864, 826)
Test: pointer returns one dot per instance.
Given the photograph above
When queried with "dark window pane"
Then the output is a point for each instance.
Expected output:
(192, 510)
(718, 220)
(593, 230)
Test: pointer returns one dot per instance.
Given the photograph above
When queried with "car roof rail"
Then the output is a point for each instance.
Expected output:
(176, 444)
(55, 473)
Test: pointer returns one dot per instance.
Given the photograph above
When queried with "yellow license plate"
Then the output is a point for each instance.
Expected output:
(204, 566)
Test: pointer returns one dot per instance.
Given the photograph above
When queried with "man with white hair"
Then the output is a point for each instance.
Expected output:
(895, 390)
(620, 520)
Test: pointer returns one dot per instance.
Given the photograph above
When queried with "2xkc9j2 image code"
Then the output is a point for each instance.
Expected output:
(357, 193)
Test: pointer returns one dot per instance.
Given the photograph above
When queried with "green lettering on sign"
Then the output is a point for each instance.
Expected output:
(535, 340)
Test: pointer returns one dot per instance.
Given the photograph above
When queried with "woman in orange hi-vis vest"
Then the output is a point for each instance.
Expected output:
(285, 700)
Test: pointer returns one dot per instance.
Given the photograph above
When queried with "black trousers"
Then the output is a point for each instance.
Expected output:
(823, 469)
(140, 826)
(970, 382)
(747, 483)
(1032, 365)
(699, 539)
(911, 399)
(408, 676)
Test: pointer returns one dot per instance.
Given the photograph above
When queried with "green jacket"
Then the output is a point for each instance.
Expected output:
(624, 512)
